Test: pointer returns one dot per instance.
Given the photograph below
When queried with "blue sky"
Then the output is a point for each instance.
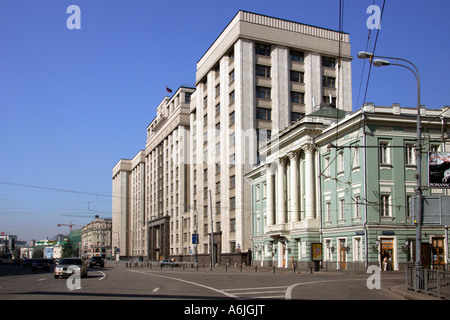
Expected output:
(74, 102)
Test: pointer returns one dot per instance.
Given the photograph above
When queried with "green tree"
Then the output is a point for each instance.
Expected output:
(67, 250)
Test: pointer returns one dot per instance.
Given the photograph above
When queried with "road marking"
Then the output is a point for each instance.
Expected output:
(42, 279)
(189, 282)
(258, 288)
(104, 276)
(156, 289)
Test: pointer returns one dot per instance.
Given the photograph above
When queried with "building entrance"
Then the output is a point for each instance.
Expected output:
(387, 254)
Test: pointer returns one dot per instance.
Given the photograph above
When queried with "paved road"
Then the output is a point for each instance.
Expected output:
(156, 284)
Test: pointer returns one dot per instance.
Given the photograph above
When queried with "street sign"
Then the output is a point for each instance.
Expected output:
(195, 238)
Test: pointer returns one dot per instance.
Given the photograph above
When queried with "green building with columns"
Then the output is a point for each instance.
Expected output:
(335, 190)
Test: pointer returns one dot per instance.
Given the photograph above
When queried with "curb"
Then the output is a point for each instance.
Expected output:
(411, 294)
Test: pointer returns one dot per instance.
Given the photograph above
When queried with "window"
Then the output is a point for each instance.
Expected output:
(328, 212)
(341, 209)
(262, 49)
(217, 109)
(357, 207)
(263, 114)
(355, 156)
(232, 140)
(385, 206)
(327, 167)
(329, 99)
(263, 135)
(232, 97)
(297, 97)
(262, 92)
(296, 56)
(262, 71)
(231, 118)
(232, 182)
(232, 160)
(297, 76)
(187, 97)
(410, 156)
(341, 164)
(232, 203)
(231, 77)
(232, 224)
(218, 187)
(218, 90)
(328, 62)
(295, 116)
(328, 82)
(384, 152)
(409, 199)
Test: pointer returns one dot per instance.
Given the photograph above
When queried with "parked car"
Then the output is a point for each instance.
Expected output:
(169, 263)
(67, 266)
(27, 262)
(40, 264)
(97, 261)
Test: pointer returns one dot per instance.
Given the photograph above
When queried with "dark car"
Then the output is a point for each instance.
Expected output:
(40, 264)
(27, 262)
(97, 261)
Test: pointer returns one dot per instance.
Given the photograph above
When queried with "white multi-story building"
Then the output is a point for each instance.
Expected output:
(260, 75)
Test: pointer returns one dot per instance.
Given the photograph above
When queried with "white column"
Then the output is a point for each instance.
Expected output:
(309, 181)
(281, 204)
(293, 206)
(269, 185)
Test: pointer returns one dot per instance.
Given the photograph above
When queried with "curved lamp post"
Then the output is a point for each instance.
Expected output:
(418, 190)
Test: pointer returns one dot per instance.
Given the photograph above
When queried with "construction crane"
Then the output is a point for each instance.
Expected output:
(66, 225)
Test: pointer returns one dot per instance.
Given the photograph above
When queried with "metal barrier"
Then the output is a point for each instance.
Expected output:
(432, 282)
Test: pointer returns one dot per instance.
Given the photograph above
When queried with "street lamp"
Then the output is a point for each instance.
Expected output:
(418, 214)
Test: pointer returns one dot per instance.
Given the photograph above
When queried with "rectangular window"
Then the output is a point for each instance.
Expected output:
(297, 97)
(262, 50)
(232, 182)
(231, 118)
(263, 135)
(262, 71)
(385, 206)
(409, 206)
(328, 212)
(384, 153)
(295, 116)
(328, 82)
(187, 97)
(218, 90)
(232, 203)
(297, 76)
(232, 97)
(262, 92)
(296, 56)
(341, 209)
(355, 156)
(341, 164)
(410, 155)
(357, 207)
(231, 77)
(263, 114)
(328, 62)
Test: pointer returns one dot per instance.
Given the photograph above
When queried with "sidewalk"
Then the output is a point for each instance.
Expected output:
(403, 291)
